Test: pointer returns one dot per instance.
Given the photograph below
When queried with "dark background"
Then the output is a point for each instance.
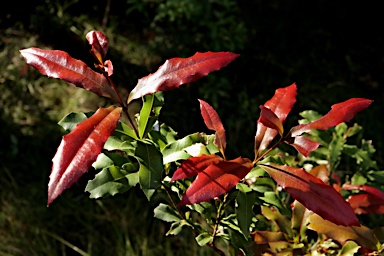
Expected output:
(332, 50)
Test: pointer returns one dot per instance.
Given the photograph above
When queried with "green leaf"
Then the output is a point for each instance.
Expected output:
(271, 198)
(151, 167)
(115, 143)
(110, 181)
(204, 238)
(362, 155)
(335, 149)
(166, 213)
(177, 226)
(176, 150)
(71, 120)
(244, 211)
(349, 249)
(102, 161)
(310, 116)
(124, 130)
(145, 114)
(377, 176)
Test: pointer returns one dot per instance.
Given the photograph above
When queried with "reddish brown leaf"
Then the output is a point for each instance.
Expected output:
(375, 192)
(366, 204)
(361, 235)
(178, 71)
(215, 180)
(313, 193)
(370, 203)
(281, 104)
(340, 112)
(80, 148)
(266, 237)
(269, 119)
(99, 43)
(321, 171)
(59, 64)
(192, 166)
(304, 145)
(213, 122)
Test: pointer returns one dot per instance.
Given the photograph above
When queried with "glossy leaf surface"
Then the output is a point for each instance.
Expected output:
(215, 180)
(59, 64)
(99, 43)
(313, 193)
(370, 203)
(80, 148)
(280, 104)
(270, 120)
(304, 145)
(340, 112)
(194, 165)
(177, 71)
(213, 122)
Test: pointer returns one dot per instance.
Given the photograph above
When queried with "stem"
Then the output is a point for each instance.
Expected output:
(257, 159)
(173, 202)
(121, 102)
(218, 218)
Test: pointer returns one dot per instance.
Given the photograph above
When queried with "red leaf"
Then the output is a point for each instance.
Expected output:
(313, 193)
(304, 145)
(281, 104)
(215, 180)
(366, 204)
(192, 166)
(213, 122)
(59, 64)
(99, 43)
(80, 148)
(340, 112)
(375, 192)
(178, 71)
(269, 119)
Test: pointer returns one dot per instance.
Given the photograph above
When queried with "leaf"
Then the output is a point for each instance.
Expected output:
(177, 71)
(80, 148)
(313, 193)
(361, 235)
(215, 180)
(213, 122)
(110, 181)
(166, 213)
(99, 43)
(349, 249)
(176, 150)
(145, 114)
(340, 112)
(151, 167)
(304, 145)
(280, 104)
(70, 121)
(194, 165)
(244, 211)
(370, 203)
(270, 120)
(59, 64)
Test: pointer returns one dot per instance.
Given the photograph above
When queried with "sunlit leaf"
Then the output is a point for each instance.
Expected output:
(304, 145)
(194, 165)
(313, 193)
(59, 64)
(215, 180)
(166, 213)
(99, 43)
(213, 122)
(177, 71)
(270, 120)
(80, 148)
(361, 235)
(280, 104)
(70, 121)
(340, 112)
